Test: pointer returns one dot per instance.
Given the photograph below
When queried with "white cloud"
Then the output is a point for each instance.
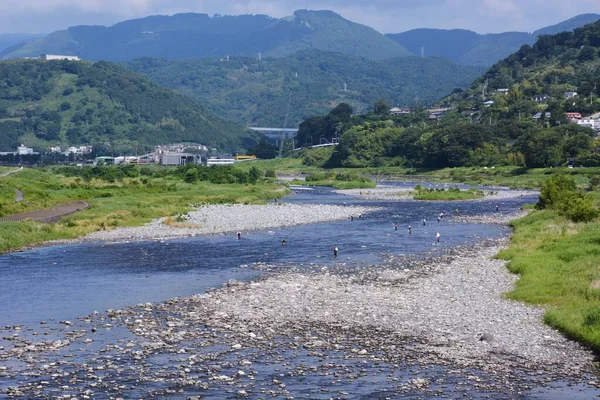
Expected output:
(384, 15)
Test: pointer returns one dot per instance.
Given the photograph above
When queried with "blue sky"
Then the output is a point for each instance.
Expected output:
(387, 16)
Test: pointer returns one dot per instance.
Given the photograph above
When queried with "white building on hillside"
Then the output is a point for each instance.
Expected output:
(23, 150)
(51, 57)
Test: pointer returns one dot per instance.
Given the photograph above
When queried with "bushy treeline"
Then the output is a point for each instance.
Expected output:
(453, 142)
(101, 104)
(560, 193)
(218, 174)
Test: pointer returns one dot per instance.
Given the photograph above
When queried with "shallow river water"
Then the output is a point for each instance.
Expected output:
(65, 282)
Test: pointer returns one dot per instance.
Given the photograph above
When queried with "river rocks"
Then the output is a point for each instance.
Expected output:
(220, 219)
(395, 193)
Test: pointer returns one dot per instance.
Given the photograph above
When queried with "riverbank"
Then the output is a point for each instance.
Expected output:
(557, 261)
(393, 193)
(221, 219)
(124, 202)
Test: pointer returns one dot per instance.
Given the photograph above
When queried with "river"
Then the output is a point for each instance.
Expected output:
(43, 286)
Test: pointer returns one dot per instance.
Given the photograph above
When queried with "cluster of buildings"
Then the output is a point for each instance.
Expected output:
(22, 150)
(81, 150)
(432, 113)
(175, 155)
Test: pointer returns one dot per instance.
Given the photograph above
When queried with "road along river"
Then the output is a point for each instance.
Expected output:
(395, 314)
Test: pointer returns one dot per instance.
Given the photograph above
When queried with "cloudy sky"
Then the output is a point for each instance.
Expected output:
(387, 16)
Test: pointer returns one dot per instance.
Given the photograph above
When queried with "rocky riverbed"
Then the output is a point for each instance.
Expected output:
(393, 193)
(422, 327)
(221, 219)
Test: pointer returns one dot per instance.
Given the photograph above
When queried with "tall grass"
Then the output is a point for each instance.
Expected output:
(559, 266)
(127, 203)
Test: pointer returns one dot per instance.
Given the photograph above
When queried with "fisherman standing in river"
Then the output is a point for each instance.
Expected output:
(395, 227)
(335, 251)
(409, 230)
(239, 235)
(424, 222)
(437, 237)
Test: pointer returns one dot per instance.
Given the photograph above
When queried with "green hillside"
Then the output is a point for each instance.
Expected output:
(555, 64)
(257, 93)
(193, 36)
(501, 119)
(72, 103)
(470, 48)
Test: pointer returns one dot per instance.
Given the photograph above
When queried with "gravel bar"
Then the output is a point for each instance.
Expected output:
(220, 219)
(453, 306)
(385, 192)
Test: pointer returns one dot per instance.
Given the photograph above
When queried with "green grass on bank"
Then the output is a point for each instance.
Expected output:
(559, 266)
(451, 194)
(510, 176)
(132, 202)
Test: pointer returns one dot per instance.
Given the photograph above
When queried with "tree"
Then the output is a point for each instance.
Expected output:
(543, 149)
(263, 149)
(254, 175)
(381, 107)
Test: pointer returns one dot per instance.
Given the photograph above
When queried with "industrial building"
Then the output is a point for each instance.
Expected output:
(176, 159)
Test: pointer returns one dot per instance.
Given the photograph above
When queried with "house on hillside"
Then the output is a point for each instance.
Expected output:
(399, 111)
(538, 116)
(502, 91)
(573, 115)
(488, 103)
(23, 150)
(586, 123)
(540, 98)
(569, 95)
(437, 113)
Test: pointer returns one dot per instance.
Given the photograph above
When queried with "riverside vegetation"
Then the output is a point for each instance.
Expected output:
(120, 196)
(555, 251)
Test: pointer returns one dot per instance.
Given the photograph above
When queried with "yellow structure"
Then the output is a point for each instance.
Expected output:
(239, 158)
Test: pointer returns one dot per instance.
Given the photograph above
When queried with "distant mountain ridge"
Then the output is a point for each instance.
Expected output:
(194, 36)
(8, 40)
(470, 48)
(253, 92)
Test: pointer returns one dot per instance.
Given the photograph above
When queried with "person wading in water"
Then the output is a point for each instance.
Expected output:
(335, 251)
(239, 235)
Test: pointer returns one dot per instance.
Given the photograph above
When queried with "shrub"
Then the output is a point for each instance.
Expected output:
(578, 208)
(270, 173)
(191, 175)
(555, 189)
(560, 193)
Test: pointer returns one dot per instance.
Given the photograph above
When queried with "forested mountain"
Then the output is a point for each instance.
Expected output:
(568, 25)
(72, 103)
(523, 123)
(11, 39)
(194, 36)
(254, 92)
(470, 48)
